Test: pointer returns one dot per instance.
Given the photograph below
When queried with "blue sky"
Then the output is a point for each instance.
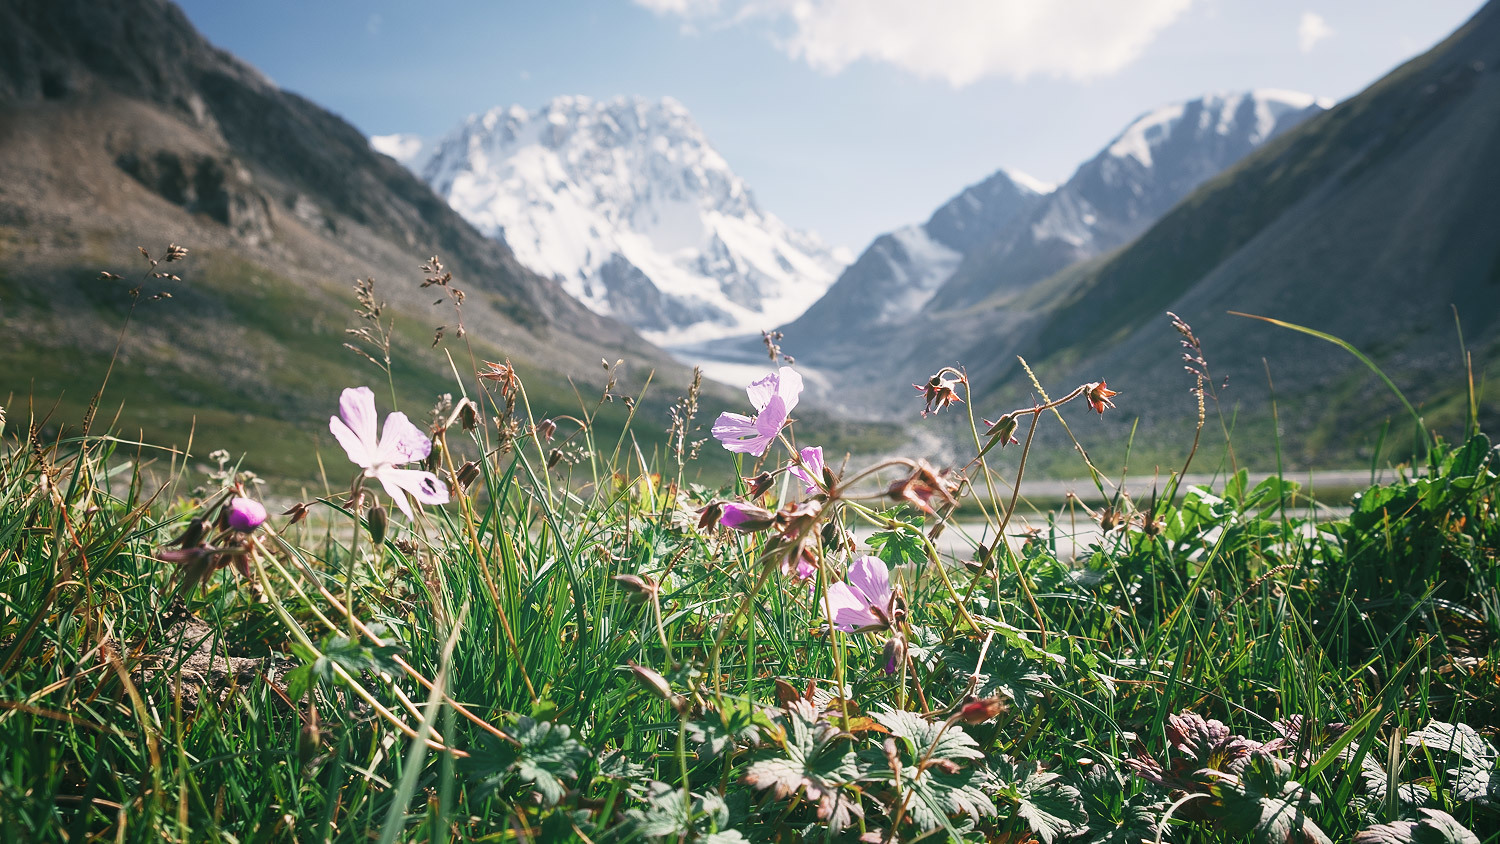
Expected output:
(849, 117)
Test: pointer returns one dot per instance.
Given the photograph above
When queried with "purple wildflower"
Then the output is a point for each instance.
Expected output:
(747, 518)
(812, 476)
(807, 566)
(865, 599)
(400, 443)
(246, 514)
(773, 398)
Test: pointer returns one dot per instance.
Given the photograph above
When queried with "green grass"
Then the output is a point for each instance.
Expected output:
(497, 679)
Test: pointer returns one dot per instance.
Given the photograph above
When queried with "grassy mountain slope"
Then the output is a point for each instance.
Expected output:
(1371, 222)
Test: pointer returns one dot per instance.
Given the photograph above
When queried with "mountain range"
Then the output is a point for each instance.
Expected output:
(120, 126)
(627, 205)
(1006, 233)
(1374, 222)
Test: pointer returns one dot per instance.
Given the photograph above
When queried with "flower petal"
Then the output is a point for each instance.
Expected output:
(849, 612)
(812, 458)
(395, 491)
(740, 433)
(789, 387)
(401, 442)
(357, 409)
(760, 391)
(360, 454)
(871, 580)
(770, 420)
(423, 486)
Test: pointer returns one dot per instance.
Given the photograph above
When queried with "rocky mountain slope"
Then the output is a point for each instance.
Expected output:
(896, 275)
(1008, 232)
(120, 126)
(1144, 171)
(1374, 222)
(627, 205)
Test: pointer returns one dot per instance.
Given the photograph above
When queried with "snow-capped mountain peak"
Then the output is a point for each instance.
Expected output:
(1251, 116)
(633, 211)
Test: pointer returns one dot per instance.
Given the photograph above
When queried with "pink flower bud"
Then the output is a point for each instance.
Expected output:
(246, 514)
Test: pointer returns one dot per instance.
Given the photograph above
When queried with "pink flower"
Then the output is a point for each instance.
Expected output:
(746, 518)
(246, 514)
(812, 476)
(400, 443)
(865, 599)
(773, 397)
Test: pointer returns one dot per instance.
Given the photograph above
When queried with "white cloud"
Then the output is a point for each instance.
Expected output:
(1311, 30)
(958, 41)
(681, 7)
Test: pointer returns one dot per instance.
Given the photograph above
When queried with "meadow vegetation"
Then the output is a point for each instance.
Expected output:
(580, 635)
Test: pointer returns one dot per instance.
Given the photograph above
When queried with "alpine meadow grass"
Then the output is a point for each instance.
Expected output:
(512, 628)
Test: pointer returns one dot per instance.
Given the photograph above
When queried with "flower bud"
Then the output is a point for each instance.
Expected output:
(246, 514)
(554, 457)
(639, 588)
(709, 515)
(938, 392)
(1097, 395)
(1003, 429)
(759, 484)
(894, 653)
(746, 518)
(467, 474)
(378, 521)
(657, 685)
(980, 709)
(545, 429)
(192, 536)
(298, 512)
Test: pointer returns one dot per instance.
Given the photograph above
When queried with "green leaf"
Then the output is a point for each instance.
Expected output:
(675, 816)
(817, 760)
(1474, 778)
(355, 656)
(938, 797)
(544, 754)
(1469, 460)
(1460, 739)
(1435, 827)
(922, 736)
(1049, 807)
(1264, 805)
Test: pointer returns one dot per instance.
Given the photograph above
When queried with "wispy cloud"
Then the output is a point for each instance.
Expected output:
(958, 41)
(1311, 30)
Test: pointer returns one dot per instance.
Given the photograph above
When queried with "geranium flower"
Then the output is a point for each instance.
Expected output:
(865, 599)
(812, 458)
(400, 443)
(773, 398)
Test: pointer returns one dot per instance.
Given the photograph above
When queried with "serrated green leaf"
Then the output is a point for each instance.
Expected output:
(544, 754)
(1435, 827)
(1460, 739)
(921, 736)
(815, 758)
(1264, 805)
(1040, 798)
